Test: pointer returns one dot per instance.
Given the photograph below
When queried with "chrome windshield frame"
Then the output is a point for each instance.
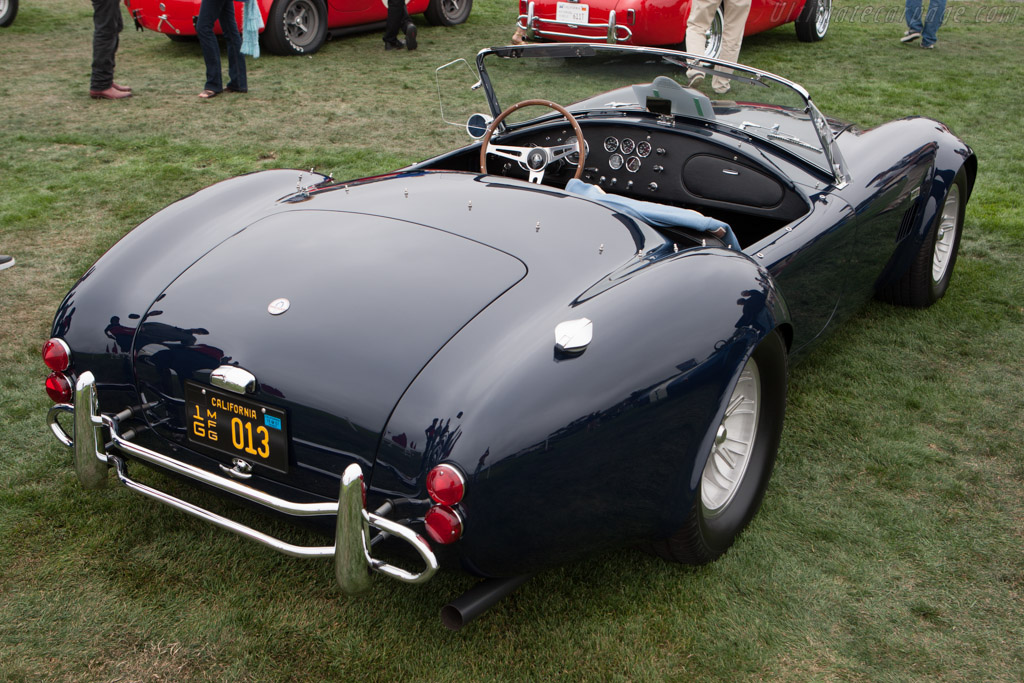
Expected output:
(834, 164)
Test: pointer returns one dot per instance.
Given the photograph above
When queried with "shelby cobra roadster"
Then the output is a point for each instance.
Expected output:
(569, 335)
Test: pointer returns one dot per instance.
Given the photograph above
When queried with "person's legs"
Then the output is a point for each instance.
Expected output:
(236, 61)
(209, 11)
(932, 22)
(735, 19)
(697, 24)
(912, 15)
(107, 23)
(395, 21)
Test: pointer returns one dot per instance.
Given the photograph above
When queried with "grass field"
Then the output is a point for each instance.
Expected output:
(890, 543)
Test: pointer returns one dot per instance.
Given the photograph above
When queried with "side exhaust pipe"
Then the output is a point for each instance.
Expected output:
(478, 600)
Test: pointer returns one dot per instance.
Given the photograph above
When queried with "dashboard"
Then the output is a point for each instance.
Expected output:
(666, 166)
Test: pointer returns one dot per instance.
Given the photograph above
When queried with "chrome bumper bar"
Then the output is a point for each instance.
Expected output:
(351, 550)
(533, 26)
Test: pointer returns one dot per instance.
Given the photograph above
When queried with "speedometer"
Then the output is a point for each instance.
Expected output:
(574, 157)
(615, 161)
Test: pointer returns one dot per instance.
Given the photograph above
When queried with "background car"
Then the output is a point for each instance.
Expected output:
(571, 335)
(294, 26)
(645, 22)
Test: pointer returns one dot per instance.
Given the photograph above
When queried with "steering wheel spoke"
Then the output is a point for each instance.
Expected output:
(534, 159)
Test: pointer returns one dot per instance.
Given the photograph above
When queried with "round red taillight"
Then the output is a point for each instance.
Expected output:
(446, 485)
(56, 355)
(58, 387)
(443, 524)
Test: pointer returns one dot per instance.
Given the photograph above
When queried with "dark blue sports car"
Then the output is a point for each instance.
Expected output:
(571, 334)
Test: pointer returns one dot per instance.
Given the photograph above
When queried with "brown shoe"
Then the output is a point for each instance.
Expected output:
(110, 93)
(122, 88)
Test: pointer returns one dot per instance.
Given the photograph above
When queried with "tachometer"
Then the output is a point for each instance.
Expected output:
(632, 164)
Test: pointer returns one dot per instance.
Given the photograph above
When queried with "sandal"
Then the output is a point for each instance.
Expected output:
(207, 94)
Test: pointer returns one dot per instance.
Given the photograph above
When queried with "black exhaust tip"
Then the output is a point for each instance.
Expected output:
(478, 600)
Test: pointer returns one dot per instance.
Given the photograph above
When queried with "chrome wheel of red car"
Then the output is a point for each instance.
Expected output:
(448, 12)
(713, 36)
(296, 27)
(812, 24)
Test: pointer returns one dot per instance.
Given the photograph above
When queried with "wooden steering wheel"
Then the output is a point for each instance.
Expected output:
(535, 159)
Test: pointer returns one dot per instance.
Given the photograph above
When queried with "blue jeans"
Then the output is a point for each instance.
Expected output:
(932, 20)
(211, 11)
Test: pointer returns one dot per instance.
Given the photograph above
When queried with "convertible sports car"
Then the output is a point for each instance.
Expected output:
(572, 334)
(294, 26)
(654, 22)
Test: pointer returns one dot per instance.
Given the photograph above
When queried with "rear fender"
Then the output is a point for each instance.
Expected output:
(564, 455)
(99, 316)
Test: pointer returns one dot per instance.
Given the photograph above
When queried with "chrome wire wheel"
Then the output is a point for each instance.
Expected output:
(734, 443)
(713, 36)
(945, 236)
(823, 18)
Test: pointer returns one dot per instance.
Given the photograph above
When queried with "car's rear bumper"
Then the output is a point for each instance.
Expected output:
(540, 28)
(93, 457)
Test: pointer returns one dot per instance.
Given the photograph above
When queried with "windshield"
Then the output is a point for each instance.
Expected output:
(607, 78)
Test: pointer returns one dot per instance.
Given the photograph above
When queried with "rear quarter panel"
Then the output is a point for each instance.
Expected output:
(565, 456)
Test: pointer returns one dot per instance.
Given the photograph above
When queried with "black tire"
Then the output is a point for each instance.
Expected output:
(812, 24)
(716, 520)
(927, 279)
(296, 27)
(8, 10)
(448, 12)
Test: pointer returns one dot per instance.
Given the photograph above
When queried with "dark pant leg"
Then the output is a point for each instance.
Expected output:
(107, 24)
(209, 12)
(398, 17)
(233, 39)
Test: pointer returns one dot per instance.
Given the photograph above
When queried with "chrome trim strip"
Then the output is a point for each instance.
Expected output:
(353, 561)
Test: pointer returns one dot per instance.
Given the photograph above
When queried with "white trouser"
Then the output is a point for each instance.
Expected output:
(697, 24)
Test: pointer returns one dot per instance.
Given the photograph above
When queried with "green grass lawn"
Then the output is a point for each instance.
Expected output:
(890, 543)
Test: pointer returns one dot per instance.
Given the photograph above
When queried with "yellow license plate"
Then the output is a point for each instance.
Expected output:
(236, 426)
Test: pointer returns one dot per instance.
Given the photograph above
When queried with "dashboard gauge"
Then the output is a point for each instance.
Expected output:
(611, 144)
(615, 161)
(627, 146)
(643, 148)
(633, 164)
(574, 158)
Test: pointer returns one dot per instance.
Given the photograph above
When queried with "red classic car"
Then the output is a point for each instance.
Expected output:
(294, 26)
(659, 22)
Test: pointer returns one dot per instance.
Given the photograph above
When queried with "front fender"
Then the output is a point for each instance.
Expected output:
(567, 455)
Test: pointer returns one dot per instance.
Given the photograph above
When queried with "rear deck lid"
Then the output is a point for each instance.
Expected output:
(333, 313)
